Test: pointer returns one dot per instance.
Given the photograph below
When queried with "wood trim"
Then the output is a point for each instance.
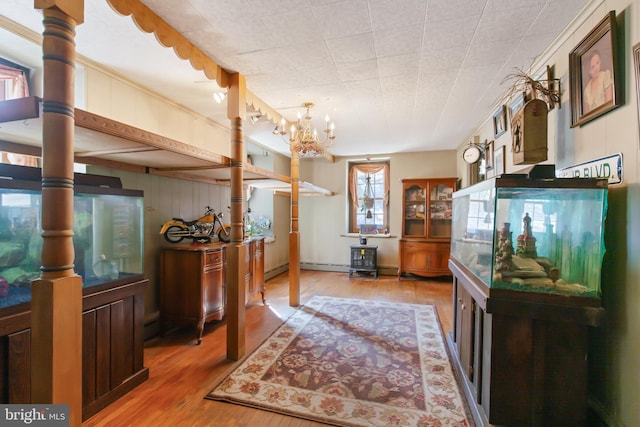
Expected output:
(149, 22)
(19, 109)
(92, 121)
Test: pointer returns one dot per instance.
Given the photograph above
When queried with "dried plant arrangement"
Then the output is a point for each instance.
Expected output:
(547, 89)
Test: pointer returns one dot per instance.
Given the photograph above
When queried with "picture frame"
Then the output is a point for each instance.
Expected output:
(517, 103)
(594, 81)
(500, 121)
(488, 155)
(498, 161)
(636, 66)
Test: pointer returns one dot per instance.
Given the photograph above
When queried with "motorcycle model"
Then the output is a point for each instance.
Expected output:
(200, 230)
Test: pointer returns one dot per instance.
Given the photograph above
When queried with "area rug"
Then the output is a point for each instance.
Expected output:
(348, 362)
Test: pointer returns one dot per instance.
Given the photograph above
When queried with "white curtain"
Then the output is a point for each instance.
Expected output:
(14, 83)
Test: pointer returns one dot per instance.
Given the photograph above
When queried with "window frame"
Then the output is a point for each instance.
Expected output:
(354, 200)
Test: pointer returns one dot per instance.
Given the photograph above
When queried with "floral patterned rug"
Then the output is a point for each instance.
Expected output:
(350, 362)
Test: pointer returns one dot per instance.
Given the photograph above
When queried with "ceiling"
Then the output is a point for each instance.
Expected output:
(395, 76)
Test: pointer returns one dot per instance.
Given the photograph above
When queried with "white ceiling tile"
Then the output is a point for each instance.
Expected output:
(359, 70)
(351, 48)
(398, 41)
(401, 65)
(396, 14)
(346, 18)
(395, 75)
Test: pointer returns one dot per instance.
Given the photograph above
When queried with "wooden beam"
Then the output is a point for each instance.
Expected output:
(12, 110)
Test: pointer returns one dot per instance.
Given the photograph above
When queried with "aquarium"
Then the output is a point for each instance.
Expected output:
(108, 233)
(537, 235)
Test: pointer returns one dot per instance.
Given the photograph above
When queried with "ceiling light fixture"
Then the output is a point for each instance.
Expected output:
(304, 138)
(219, 96)
(255, 118)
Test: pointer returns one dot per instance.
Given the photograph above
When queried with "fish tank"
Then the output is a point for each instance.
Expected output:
(517, 233)
(108, 232)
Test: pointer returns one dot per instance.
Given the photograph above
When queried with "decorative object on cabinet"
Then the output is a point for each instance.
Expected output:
(364, 259)
(192, 286)
(500, 121)
(529, 133)
(108, 222)
(200, 230)
(526, 257)
(426, 226)
(594, 79)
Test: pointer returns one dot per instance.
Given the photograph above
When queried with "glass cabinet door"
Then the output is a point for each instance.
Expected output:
(414, 209)
(440, 201)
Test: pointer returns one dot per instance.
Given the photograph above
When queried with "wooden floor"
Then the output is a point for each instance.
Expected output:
(182, 373)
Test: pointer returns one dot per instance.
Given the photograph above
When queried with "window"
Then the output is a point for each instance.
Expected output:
(369, 197)
(14, 80)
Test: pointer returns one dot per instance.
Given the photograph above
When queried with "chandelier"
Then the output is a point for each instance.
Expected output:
(304, 139)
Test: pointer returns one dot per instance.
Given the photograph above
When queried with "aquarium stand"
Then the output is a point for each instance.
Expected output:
(521, 356)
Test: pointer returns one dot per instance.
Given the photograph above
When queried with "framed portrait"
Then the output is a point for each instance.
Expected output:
(636, 66)
(488, 155)
(498, 161)
(594, 80)
(500, 121)
(516, 104)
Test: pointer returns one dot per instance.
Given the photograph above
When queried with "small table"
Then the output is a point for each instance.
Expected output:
(364, 259)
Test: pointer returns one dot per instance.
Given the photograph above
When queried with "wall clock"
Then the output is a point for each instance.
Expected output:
(471, 154)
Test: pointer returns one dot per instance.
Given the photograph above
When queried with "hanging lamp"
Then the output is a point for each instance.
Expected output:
(367, 199)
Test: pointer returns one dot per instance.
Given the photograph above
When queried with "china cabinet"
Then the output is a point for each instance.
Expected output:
(426, 226)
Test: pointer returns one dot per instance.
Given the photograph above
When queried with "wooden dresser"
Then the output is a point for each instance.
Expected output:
(192, 286)
(193, 282)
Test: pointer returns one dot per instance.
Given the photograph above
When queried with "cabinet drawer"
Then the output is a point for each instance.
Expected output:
(213, 259)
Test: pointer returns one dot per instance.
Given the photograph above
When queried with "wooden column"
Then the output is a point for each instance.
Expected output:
(235, 310)
(294, 234)
(56, 305)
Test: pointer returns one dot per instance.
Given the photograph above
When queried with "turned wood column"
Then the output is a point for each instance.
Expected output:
(56, 302)
(236, 291)
(294, 234)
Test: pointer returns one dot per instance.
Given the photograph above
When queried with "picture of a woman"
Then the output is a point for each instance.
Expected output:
(599, 88)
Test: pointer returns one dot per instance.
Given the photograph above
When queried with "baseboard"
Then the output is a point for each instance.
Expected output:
(276, 271)
(343, 268)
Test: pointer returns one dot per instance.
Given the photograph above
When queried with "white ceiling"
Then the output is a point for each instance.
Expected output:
(394, 75)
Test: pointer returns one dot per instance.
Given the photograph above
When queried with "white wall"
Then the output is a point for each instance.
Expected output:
(614, 371)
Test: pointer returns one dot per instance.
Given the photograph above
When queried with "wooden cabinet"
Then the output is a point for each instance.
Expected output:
(112, 346)
(522, 356)
(426, 226)
(192, 286)
(255, 270)
(193, 282)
